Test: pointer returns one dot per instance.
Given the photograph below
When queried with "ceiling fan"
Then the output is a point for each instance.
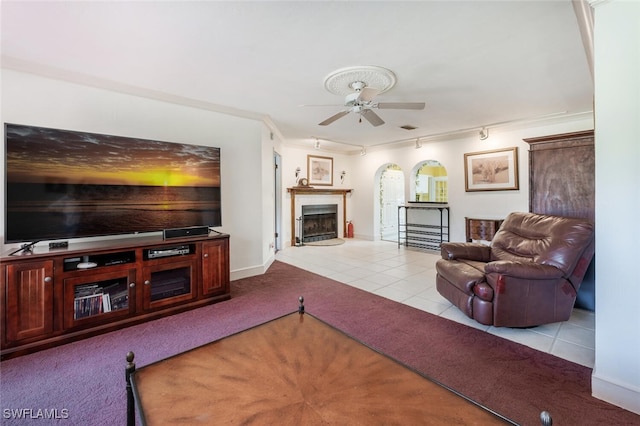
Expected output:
(361, 102)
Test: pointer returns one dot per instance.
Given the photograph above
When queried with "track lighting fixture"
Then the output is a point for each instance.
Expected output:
(418, 143)
(484, 133)
(317, 144)
(363, 151)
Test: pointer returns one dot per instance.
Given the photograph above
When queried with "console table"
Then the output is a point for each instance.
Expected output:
(308, 190)
(423, 226)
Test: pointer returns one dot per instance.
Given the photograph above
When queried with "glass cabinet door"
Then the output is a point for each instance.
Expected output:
(96, 297)
(169, 283)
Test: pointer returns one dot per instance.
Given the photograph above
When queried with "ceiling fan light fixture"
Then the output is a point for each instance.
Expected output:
(360, 85)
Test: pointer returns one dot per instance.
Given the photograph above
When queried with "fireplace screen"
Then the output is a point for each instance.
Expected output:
(319, 222)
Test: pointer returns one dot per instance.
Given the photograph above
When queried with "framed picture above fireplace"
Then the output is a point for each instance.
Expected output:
(320, 170)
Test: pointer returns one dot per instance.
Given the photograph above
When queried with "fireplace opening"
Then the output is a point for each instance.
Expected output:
(319, 222)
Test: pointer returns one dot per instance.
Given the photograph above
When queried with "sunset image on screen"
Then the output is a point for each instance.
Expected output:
(35, 156)
(63, 183)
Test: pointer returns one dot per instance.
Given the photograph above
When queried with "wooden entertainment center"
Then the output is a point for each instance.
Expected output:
(52, 296)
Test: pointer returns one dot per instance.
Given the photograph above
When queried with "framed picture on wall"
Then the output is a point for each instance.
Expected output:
(495, 170)
(320, 170)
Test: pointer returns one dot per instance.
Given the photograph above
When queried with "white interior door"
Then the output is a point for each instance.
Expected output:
(391, 196)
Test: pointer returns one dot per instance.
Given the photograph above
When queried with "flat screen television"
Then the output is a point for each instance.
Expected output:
(64, 184)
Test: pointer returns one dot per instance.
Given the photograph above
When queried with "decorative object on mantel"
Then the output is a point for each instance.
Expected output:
(304, 183)
(320, 170)
(495, 170)
(342, 176)
(297, 173)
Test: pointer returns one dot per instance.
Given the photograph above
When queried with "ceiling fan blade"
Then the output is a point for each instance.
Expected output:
(401, 105)
(367, 94)
(333, 118)
(372, 117)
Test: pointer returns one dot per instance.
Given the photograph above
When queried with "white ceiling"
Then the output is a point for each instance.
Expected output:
(474, 63)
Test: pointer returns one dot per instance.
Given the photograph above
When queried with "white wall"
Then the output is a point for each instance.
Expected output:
(362, 203)
(616, 375)
(32, 100)
(450, 152)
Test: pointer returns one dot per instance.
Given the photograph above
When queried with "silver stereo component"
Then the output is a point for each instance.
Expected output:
(155, 253)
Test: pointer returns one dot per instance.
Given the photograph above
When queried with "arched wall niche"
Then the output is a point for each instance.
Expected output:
(428, 182)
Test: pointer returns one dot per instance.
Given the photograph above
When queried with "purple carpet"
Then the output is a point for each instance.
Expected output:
(83, 382)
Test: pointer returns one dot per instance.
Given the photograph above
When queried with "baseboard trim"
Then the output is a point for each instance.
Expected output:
(251, 271)
(615, 393)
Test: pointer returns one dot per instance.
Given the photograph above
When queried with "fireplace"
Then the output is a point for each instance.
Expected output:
(319, 222)
(306, 195)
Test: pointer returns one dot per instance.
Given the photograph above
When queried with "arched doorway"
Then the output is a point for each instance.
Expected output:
(391, 195)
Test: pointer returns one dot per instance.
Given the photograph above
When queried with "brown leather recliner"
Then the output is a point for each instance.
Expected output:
(528, 276)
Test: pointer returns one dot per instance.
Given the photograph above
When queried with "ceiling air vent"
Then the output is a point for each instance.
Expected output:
(408, 127)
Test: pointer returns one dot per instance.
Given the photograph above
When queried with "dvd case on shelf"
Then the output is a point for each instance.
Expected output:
(101, 297)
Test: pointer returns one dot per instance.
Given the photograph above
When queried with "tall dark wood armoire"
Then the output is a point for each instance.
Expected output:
(562, 183)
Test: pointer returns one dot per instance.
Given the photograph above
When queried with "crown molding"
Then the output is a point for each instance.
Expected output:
(596, 3)
(20, 65)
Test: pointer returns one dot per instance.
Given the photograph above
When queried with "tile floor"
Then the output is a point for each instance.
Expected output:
(408, 276)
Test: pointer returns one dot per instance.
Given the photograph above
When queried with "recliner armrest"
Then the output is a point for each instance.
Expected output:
(529, 270)
(470, 251)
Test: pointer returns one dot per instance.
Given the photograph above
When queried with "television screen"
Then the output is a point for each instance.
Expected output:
(68, 184)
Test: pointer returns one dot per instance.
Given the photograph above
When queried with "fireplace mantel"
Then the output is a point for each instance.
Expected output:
(317, 191)
(307, 190)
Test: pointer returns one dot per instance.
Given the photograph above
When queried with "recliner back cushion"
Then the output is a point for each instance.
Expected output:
(549, 240)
